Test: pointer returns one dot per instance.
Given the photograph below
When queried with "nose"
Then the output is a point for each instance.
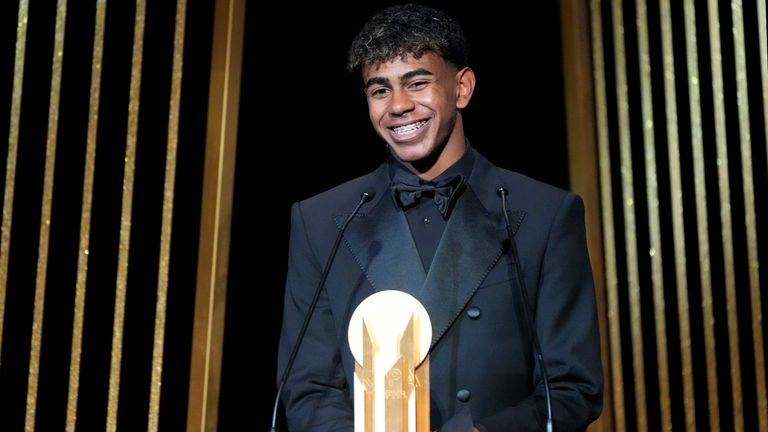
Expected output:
(400, 103)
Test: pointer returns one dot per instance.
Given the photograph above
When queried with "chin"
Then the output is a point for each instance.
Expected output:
(411, 157)
(410, 153)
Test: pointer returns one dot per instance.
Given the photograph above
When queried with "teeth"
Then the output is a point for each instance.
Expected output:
(402, 130)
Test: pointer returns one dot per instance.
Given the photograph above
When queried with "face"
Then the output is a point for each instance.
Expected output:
(414, 106)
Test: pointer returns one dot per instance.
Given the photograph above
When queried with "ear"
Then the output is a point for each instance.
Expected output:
(465, 80)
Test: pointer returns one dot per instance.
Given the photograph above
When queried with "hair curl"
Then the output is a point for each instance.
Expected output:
(408, 29)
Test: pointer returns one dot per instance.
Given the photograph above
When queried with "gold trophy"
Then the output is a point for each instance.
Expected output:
(389, 335)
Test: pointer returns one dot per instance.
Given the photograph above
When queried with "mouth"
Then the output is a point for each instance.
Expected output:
(409, 129)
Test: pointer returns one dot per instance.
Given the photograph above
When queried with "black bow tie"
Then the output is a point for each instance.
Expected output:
(444, 194)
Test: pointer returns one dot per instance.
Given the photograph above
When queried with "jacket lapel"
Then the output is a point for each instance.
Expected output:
(474, 240)
(470, 247)
(381, 242)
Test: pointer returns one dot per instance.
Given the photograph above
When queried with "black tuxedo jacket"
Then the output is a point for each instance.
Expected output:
(481, 357)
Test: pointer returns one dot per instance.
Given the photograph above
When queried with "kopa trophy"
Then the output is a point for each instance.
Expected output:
(389, 335)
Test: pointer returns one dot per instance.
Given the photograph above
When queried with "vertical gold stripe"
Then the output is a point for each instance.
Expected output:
(584, 168)
(678, 226)
(601, 110)
(10, 164)
(216, 214)
(630, 230)
(701, 207)
(762, 29)
(742, 101)
(85, 217)
(165, 235)
(654, 225)
(726, 230)
(125, 218)
(45, 215)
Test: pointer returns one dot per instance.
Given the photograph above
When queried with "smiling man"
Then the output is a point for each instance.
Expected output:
(413, 102)
(498, 260)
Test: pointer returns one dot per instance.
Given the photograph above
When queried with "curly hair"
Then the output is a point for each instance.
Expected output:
(406, 29)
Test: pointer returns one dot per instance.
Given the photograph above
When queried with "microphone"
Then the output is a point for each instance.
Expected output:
(527, 309)
(364, 198)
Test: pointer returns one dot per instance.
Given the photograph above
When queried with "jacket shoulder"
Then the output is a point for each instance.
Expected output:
(343, 197)
(519, 183)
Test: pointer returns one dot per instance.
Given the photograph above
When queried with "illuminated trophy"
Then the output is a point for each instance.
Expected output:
(389, 335)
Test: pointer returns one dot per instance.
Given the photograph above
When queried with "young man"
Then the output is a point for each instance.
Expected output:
(448, 245)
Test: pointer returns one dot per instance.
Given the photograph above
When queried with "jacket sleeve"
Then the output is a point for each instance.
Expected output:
(566, 321)
(315, 395)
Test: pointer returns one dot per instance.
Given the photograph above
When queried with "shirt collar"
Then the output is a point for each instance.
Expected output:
(399, 172)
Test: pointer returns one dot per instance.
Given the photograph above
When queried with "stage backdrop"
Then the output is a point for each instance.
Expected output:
(134, 155)
(105, 106)
(676, 104)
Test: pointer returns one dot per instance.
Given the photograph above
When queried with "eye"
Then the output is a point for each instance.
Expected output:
(418, 85)
(377, 92)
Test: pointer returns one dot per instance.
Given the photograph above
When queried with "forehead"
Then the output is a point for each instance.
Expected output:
(399, 66)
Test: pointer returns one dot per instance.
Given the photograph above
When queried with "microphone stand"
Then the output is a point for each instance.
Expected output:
(364, 198)
(527, 307)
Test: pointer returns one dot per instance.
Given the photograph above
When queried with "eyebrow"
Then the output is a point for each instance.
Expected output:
(406, 76)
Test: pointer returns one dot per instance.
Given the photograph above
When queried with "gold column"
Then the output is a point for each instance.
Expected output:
(45, 215)
(654, 224)
(723, 180)
(701, 208)
(762, 30)
(210, 298)
(167, 221)
(13, 145)
(678, 226)
(742, 102)
(611, 277)
(583, 164)
(630, 229)
(125, 218)
(85, 217)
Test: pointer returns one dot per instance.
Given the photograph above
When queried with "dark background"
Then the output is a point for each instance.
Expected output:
(304, 128)
(63, 245)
